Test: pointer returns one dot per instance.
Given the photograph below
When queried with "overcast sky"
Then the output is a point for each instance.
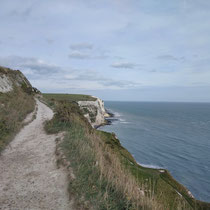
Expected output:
(138, 50)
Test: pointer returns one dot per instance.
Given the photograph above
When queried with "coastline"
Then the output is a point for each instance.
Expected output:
(158, 183)
(181, 190)
(108, 119)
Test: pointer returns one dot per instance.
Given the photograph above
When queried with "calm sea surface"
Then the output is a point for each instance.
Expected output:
(174, 136)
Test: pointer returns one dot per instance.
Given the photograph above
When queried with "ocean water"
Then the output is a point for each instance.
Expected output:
(174, 136)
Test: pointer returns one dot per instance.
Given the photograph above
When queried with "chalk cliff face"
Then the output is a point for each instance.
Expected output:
(94, 111)
(5, 84)
(11, 78)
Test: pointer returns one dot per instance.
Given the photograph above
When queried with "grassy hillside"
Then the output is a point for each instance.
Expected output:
(68, 97)
(17, 78)
(14, 106)
(106, 175)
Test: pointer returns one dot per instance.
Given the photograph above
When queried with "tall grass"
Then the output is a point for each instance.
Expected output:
(92, 187)
(14, 106)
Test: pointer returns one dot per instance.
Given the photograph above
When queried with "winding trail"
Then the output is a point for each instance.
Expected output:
(29, 177)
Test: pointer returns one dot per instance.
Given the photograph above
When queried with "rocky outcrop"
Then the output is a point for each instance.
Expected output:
(9, 79)
(94, 111)
(5, 84)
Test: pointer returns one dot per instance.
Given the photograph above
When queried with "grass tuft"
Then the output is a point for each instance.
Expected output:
(14, 106)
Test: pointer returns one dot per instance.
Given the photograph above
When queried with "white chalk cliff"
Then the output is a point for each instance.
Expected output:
(5, 84)
(94, 111)
(9, 79)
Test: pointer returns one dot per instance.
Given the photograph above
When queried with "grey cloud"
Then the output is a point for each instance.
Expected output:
(37, 69)
(153, 70)
(14, 61)
(122, 65)
(82, 56)
(79, 55)
(81, 46)
(23, 12)
(86, 51)
(121, 83)
(26, 12)
(168, 57)
(41, 68)
(11, 37)
(88, 75)
(32, 67)
(49, 41)
(107, 82)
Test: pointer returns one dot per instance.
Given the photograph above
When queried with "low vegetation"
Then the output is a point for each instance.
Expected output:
(14, 106)
(106, 175)
(92, 188)
(68, 97)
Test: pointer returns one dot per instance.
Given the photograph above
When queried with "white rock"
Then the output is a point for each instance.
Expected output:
(5, 84)
(190, 194)
(96, 109)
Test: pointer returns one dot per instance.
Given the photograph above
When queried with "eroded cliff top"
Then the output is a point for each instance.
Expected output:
(10, 78)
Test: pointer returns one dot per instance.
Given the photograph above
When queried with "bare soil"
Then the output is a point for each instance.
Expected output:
(29, 177)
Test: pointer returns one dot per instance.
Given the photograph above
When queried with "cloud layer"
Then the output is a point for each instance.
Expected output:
(123, 65)
(81, 46)
(97, 46)
(38, 69)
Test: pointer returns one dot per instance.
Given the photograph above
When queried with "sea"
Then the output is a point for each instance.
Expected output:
(174, 136)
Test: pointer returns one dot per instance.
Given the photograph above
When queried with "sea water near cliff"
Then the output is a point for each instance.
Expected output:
(174, 136)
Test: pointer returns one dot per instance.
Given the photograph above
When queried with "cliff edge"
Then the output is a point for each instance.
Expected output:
(16, 101)
(9, 79)
(94, 111)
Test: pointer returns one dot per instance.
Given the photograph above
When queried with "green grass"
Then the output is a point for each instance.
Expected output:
(14, 106)
(150, 179)
(68, 97)
(5, 70)
(90, 189)
(107, 176)
(165, 187)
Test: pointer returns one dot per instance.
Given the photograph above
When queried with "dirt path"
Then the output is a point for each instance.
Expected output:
(29, 178)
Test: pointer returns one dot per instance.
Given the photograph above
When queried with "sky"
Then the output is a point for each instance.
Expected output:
(125, 50)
